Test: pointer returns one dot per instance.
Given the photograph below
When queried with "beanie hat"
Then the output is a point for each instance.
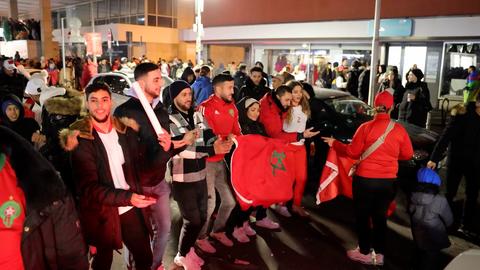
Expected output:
(428, 176)
(7, 103)
(384, 98)
(176, 87)
(249, 102)
(418, 73)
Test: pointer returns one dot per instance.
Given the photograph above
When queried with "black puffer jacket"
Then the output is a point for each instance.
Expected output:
(430, 217)
(52, 237)
(415, 111)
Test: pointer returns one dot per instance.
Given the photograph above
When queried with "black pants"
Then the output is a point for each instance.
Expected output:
(192, 202)
(371, 198)
(136, 238)
(455, 173)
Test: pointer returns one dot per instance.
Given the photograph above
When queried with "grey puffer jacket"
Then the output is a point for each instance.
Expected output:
(430, 216)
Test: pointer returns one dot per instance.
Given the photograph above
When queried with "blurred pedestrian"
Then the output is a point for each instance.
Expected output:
(415, 104)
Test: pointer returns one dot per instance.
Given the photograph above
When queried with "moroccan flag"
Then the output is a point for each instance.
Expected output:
(260, 172)
(335, 181)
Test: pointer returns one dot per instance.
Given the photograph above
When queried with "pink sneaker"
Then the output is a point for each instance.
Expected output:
(248, 230)
(356, 255)
(378, 259)
(282, 210)
(240, 235)
(222, 238)
(205, 246)
(186, 262)
(195, 256)
(267, 224)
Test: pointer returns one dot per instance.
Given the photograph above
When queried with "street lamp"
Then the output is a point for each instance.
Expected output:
(198, 29)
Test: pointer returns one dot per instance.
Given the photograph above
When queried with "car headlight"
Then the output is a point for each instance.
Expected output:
(420, 155)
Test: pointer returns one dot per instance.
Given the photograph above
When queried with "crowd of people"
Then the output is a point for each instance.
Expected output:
(116, 173)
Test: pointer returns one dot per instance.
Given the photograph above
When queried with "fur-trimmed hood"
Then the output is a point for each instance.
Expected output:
(37, 178)
(458, 109)
(65, 105)
(83, 128)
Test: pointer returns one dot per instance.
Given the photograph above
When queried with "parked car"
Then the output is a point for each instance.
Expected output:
(339, 114)
(120, 84)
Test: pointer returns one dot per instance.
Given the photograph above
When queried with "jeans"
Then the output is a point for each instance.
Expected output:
(160, 218)
(217, 179)
(192, 202)
(136, 238)
(371, 198)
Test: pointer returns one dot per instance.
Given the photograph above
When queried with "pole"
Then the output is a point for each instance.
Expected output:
(198, 29)
(92, 19)
(63, 49)
(375, 42)
(308, 62)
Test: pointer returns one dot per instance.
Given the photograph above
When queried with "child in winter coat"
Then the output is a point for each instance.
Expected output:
(430, 217)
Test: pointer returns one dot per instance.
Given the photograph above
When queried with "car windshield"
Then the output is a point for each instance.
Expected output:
(349, 106)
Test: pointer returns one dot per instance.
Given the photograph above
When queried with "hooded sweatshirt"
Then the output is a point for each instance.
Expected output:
(25, 127)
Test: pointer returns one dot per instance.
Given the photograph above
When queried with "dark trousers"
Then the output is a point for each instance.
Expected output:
(426, 259)
(239, 216)
(192, 202)
(455, 173)
(136, 238)
(371, 198)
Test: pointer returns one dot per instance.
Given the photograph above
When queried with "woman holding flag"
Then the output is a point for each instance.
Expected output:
(377, 146)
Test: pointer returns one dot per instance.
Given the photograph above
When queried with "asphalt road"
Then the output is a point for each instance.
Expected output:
(319, 242)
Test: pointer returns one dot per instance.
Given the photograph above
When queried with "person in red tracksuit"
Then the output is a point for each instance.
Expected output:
(374, 180)
(274, 107)
(221, 114)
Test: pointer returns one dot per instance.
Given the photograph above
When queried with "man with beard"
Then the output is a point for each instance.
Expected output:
(189, 170)
(104, 157)
(154, 163)
(254, 85)
(274, 108)
(222, 116)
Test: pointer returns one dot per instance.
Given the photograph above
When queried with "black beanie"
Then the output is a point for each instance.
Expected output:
(418, 73)
(176, 87)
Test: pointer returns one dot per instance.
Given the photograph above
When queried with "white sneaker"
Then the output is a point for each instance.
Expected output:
(195, 256)
(205, 245)
(222, 238)
(248, 230)
(186, 262)
(239, 234)
(267, 224)
(282, 210)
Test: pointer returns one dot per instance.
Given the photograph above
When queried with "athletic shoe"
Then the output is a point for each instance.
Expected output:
(267, 224)
(195, 257)
(378, 260)
(205, 246)
(300, 211)
(222, 238)
(248, 229)
(282, 210)
(240, 235)
(186, 262)
(356, 255)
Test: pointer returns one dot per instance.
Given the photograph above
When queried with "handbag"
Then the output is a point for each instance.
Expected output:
(372, 148)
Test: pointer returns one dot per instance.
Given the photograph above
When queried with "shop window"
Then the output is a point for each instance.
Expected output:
(141, 20)
(458, 57)
(165, 22)
(395, 56)
(152, 21)
(414, 55)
